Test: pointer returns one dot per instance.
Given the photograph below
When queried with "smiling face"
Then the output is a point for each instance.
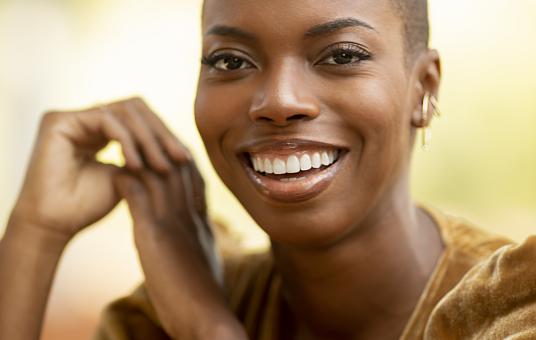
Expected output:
(305, 108)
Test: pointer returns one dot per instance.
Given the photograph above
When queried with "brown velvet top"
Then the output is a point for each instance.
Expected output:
(483, 287)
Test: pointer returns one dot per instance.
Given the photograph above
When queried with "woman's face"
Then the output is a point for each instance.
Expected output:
(305, 110)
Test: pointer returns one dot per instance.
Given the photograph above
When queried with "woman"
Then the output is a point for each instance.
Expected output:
(308, 110)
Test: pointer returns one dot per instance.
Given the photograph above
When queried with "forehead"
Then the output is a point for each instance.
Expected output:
(280, 16)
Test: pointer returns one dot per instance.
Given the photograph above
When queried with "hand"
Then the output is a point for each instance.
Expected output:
(66, 189)
(176, 251)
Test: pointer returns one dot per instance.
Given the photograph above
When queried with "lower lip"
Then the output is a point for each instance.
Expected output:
(305, 187)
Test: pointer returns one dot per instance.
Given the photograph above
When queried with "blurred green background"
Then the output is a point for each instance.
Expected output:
(69, 54)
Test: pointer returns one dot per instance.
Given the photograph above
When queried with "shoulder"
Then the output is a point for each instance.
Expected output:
(464, 238)
(465, 246)
(495, 299)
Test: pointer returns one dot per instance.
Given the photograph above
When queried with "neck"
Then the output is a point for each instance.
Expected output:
(366, 284)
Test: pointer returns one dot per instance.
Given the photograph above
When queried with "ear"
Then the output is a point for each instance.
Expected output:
(426, 77)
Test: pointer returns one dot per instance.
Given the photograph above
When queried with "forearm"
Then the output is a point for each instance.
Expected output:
(28, 261)
(189, 302)
(200, 320)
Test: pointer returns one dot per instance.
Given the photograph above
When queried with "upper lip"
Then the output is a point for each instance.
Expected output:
(282, 144)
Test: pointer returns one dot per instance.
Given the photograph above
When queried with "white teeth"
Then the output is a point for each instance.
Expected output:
(325, 159)
(280, 168)
(316, 161)
(305, 163)
(293, 165)
(268, 166)
(260, 164)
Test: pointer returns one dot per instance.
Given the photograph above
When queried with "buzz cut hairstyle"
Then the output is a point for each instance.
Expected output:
(415, 21)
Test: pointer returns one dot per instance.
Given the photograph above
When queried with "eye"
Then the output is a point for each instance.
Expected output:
(226, 62)
(343, 57)
(344, 54)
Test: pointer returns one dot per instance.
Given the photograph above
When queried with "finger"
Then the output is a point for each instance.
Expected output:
(192, 195)
(145, 136)
(197, 188)
(157, 190)
(99, 121)
(194, 189)
(134, 192)
(180, 200)
(171, 143)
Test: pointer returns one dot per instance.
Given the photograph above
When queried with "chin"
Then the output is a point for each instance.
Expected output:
(315, 207)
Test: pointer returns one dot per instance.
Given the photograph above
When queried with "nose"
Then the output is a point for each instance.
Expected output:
(283, 97)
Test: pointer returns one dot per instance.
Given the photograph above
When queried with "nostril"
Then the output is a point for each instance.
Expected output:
(298, 117)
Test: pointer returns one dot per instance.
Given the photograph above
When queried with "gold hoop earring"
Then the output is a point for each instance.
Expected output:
(428, 101)
(426, 136)
(435, 106)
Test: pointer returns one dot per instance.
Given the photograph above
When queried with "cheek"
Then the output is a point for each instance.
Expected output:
(209, 118)
(215, 110)
(219, 111)
(375, 111)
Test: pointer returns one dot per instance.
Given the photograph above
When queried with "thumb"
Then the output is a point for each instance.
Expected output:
(134, 192)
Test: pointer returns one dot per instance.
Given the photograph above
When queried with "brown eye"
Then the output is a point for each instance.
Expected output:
(343, 58)
(344, 54)
(226, 62)
(230, 63)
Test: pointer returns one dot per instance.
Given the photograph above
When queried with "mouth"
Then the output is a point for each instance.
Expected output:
(292, 170)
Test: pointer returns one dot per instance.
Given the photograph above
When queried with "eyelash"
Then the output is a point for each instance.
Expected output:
(213, 60)
(353, 50)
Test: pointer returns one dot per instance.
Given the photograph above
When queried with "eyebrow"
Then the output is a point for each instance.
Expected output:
(320, 29)
(230, 31)
(335, 25)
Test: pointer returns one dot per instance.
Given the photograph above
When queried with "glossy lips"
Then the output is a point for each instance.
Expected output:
(292, 171)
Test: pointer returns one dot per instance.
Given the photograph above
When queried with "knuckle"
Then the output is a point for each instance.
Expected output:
(51, 119)
(130, 112)
(108, 117)
(135, 102)
(126, 115)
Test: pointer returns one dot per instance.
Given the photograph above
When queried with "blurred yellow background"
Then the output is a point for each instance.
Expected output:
(69, 54)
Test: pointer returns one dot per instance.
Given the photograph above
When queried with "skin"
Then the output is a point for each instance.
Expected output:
(354, 259)
(66, 190)
(361, 245)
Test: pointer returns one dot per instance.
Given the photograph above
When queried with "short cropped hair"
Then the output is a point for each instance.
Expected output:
(414, 16)
(416, 26)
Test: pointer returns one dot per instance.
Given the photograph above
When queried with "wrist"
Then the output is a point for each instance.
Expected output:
(35, 238)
